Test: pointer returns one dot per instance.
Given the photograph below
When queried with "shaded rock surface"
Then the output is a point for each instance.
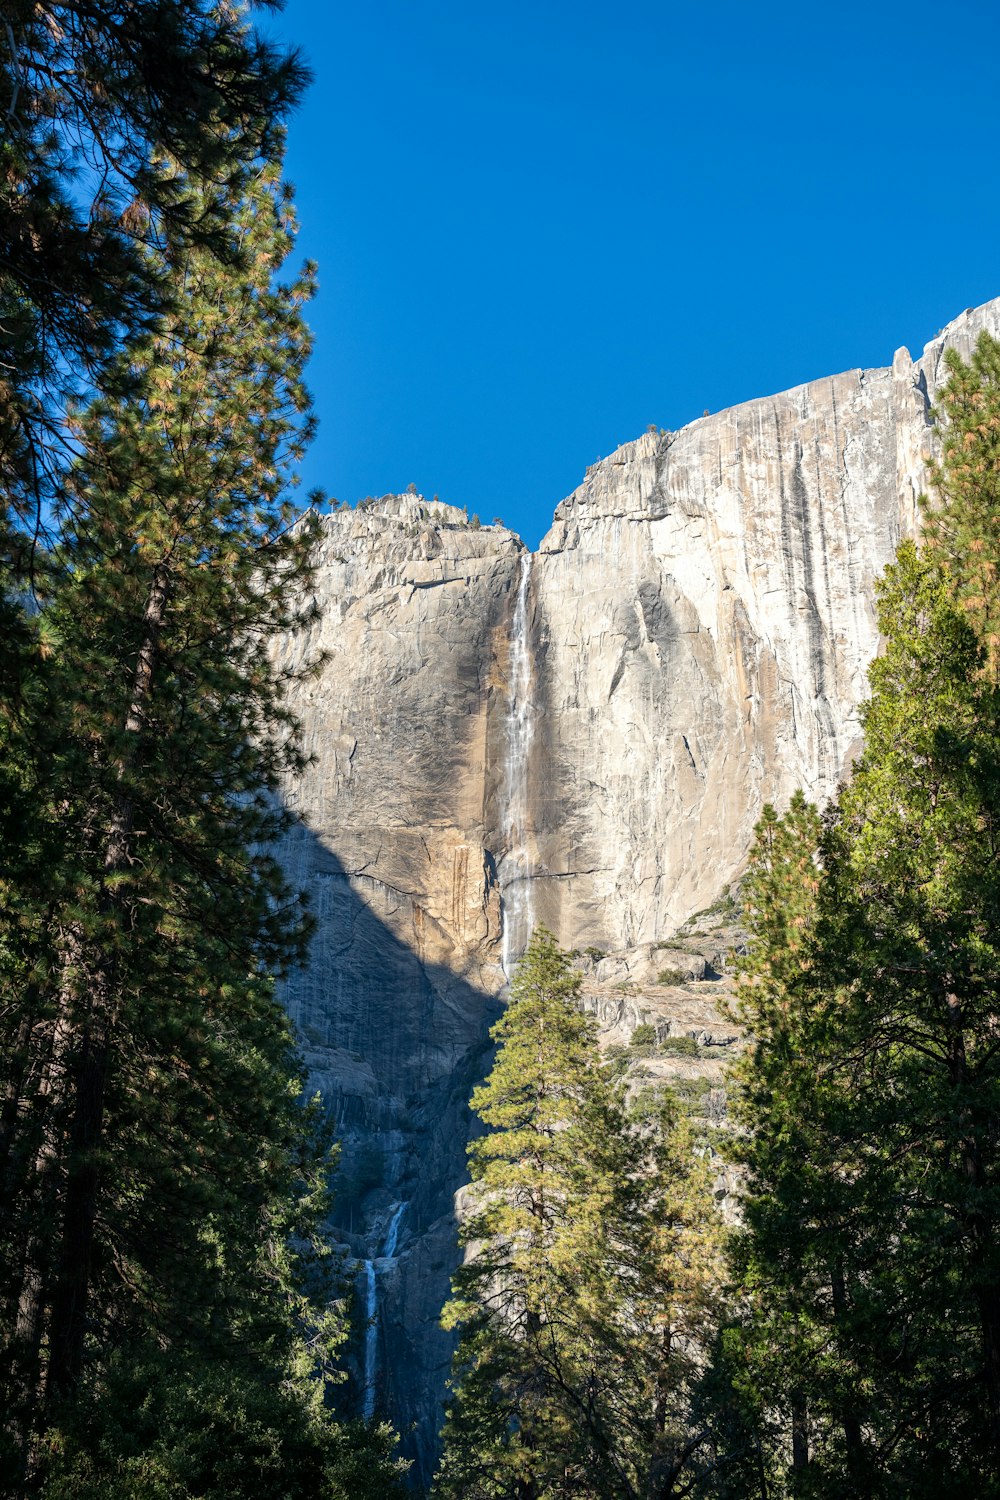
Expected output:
(584, 738)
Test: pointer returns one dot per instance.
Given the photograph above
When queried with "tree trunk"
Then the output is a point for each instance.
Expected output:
(662, 1469)
(19, 1067)
(69, 1310)
(800, 1432)
(857, 1459)
(761, 1470)
(979, 1228)
(35, 1189)
(28, 1081)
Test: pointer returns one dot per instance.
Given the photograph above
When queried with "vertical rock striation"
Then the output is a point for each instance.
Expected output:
(584, 738)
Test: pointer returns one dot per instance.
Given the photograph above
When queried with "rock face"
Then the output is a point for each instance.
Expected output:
(583, 737)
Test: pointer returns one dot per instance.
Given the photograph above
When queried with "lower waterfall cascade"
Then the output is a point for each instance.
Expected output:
(371, 1311)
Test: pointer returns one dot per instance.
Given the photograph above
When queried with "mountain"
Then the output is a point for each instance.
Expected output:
(582, 737)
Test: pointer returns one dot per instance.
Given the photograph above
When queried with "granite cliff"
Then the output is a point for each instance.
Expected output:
(582, 737)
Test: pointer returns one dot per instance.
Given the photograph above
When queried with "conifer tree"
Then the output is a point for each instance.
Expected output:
(511, 1431)
(591, 1274)
(166, 1314)
(961, 522)
(914, 898)
(165, 1178)
(790, 1258)
(873, 1099)
(95, 97)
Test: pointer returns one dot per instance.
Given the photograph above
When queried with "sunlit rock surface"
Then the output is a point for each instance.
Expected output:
(583, 738)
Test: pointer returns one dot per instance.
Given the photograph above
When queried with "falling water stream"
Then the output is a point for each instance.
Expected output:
(388, 1252)
(371, 1338)
(392, 1233)
(515, 873)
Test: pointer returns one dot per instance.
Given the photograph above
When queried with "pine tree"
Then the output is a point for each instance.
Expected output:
(914, 900)
(165, 1295)
(94, 97)
(509, 1432)
(664, 1308)
(791, 1255)
(166, 1179)
(961, 525)
(872, 1105)
(125, 129)
(590, 1278)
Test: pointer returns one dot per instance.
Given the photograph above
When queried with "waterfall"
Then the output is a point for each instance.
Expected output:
(392, 1233)
(515, 873)
(371, 1339)
(388, 1252)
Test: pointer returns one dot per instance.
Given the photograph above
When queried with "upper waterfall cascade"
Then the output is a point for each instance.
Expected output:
(516, 865)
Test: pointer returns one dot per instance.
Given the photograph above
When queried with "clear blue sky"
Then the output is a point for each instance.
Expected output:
(542, 226)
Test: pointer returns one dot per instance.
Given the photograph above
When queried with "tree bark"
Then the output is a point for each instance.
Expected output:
(800, 1432)
(761, 1470)
(662, 1471)
(11, 1107)
(28, 1080)
(35, 1188)
(857, 1461)
(94, 1055)
(980, 1230)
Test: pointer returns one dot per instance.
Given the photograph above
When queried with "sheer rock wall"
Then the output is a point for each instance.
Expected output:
(697, 623)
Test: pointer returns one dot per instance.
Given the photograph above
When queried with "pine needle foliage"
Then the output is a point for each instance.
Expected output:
(165, 1180)
(961, 519)
(871, 1100)
(169, 1311)
(123, 128)
(591, 1274)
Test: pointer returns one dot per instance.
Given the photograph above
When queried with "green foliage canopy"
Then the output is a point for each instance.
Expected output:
(592, 1271)
(871, 1099)
(164, 1178)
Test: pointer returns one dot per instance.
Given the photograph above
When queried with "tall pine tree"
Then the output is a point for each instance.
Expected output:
(872, 1107)
(591, 1272)
(164, 1177)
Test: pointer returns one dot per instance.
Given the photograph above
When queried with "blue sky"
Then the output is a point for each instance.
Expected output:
(541, 227)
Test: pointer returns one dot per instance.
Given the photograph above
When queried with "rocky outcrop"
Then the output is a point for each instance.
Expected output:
(583, 738)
